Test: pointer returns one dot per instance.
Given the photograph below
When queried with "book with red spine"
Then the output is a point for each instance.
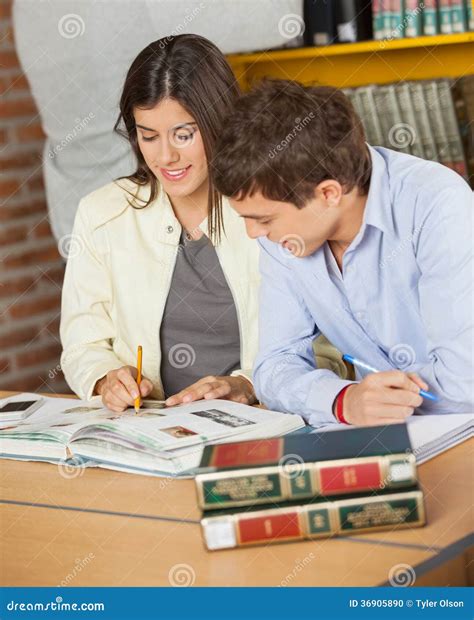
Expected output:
(318, 518)
(296, 467)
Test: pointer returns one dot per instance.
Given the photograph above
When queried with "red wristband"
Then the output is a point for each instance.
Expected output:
(339, 408)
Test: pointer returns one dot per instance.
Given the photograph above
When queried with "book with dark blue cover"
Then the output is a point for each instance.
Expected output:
(320, 22)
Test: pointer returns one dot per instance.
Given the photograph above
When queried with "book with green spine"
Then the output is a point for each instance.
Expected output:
(320, 518)
(377, 20)
(385, 9)
(430, 18)
(288, 468)
(398, 19)
(458, 15)
(445, 17)
(414, 18)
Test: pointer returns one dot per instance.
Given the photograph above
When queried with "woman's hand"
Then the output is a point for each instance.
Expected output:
(238, 389)
(119, 388)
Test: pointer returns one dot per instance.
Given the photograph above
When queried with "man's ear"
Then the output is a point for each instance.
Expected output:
(330, 191)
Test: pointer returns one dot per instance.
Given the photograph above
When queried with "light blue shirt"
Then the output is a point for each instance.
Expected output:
(404, 299)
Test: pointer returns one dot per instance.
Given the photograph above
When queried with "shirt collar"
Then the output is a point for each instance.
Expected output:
(378, 208)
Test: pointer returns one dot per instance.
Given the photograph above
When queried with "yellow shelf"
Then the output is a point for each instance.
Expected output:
(349, 65)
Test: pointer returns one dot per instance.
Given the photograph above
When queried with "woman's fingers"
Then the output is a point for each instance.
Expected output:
(125, 377)
(232, 388)
(199, 392)
(120, 391)
(220, 391)
(193, 392)
(146, 386)
(113, 402)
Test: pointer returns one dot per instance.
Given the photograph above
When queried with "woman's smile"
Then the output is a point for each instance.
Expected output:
(176, 174)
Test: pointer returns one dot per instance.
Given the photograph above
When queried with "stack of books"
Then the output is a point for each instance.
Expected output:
(432, 119)
(308, 486)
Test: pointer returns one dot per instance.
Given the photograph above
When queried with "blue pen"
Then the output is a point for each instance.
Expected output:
(356, 362)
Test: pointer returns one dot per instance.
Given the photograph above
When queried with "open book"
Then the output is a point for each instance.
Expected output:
(156, 441)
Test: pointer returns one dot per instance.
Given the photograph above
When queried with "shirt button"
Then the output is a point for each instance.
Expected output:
(169, 229)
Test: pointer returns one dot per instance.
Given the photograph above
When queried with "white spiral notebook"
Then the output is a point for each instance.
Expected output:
(430, 434)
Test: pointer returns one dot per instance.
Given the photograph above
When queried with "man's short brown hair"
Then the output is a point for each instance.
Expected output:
(284, 138)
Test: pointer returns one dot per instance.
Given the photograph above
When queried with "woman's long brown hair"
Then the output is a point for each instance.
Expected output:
(194, 72)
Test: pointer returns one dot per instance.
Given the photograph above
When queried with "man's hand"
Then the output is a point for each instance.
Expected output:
(237, 389)
(383, 398)
(119, 388)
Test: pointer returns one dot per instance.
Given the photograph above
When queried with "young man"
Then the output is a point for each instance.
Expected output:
(371, 247)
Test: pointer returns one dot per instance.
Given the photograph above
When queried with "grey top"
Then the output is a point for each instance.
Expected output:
(200, 330)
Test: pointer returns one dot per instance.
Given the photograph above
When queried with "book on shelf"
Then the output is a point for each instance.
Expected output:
(430, 18)
(445, 17)
(458, 15)
(386, 18)
(408, 114)
(317, 518)
(156, 441)
(440, 135)
(397, 19)
(353, 20)
(305, 466)
(320, 22)
(378, 20)
(423, 121)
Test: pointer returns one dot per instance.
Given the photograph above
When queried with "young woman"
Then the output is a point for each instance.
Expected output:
(161, 259)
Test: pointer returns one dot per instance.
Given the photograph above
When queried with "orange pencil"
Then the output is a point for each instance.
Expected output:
(139, 378)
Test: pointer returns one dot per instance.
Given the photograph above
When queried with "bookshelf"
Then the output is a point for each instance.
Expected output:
(356, 64)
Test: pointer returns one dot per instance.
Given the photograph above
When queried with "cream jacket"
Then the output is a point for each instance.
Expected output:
(118, 275)
(117, 279)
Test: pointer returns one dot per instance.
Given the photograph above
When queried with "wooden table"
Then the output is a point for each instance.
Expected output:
(104, 528)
